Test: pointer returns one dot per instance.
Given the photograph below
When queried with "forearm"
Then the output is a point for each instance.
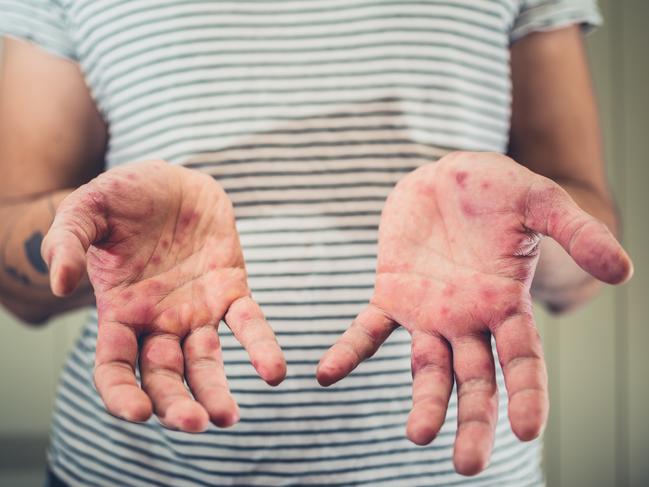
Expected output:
(559, 283)
(555, 132)
(24, 278)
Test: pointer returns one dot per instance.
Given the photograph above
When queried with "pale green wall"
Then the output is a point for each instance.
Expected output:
(598, 358)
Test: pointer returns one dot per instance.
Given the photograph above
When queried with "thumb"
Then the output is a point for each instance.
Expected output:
(552, 212)
(79, 222)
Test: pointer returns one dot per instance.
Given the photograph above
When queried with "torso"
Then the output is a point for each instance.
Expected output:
(307, 112)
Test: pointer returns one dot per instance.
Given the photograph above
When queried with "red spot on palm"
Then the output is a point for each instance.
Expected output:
(485, 185)
(460, 178)
(488, 295)
(468, 209)
(154, 287)
(186, 218)
(449, 290)
(142, 312)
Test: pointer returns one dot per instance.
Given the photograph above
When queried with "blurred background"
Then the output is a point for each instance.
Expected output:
(598, 358)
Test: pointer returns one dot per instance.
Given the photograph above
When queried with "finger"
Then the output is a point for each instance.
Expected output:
(477, 403)
(521, 357)
(361, 340)
(115, 372)
(79, 222)
(247, 322)
(161, 367)
(551, 211)
(431, 388)
(206, 376)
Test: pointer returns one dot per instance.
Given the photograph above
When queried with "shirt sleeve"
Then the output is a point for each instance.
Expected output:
(544, 15)
(41, 22)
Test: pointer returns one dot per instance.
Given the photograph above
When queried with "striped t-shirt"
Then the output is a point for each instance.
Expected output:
(307, 112)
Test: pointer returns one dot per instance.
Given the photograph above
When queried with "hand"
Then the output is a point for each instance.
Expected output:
(458, 245)
(162, 253)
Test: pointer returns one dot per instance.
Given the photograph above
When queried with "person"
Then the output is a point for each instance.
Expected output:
(183, 163)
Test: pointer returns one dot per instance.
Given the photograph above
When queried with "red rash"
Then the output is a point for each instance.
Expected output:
(488, 295)
(460, 179)
(485, 184)
(611, 267)
(164, 243)
(448, 291)
(94, 200)
(244, 316)
(154, 287)
(425, 190)
(186, 218)
(142, 313)
(162, 353)
(155, 260)
(212, 342)
(468, 209)
(510, 311)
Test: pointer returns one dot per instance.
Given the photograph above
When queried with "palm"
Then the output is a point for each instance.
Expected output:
(455, 255)
(164, 259)
(159, 271)
(458, 247)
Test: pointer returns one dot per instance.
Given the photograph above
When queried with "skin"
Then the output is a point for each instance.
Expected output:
(53, 140)
(555, 132)
(458, 246)
(163, 256)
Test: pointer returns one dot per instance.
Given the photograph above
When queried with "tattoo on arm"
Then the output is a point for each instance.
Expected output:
(32, 249)
(33, 252)
(17, 275)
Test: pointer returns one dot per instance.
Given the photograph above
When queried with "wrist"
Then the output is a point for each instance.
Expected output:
(24, 277)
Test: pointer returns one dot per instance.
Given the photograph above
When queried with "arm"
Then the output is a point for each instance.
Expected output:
(52, 139)
(555, 132)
